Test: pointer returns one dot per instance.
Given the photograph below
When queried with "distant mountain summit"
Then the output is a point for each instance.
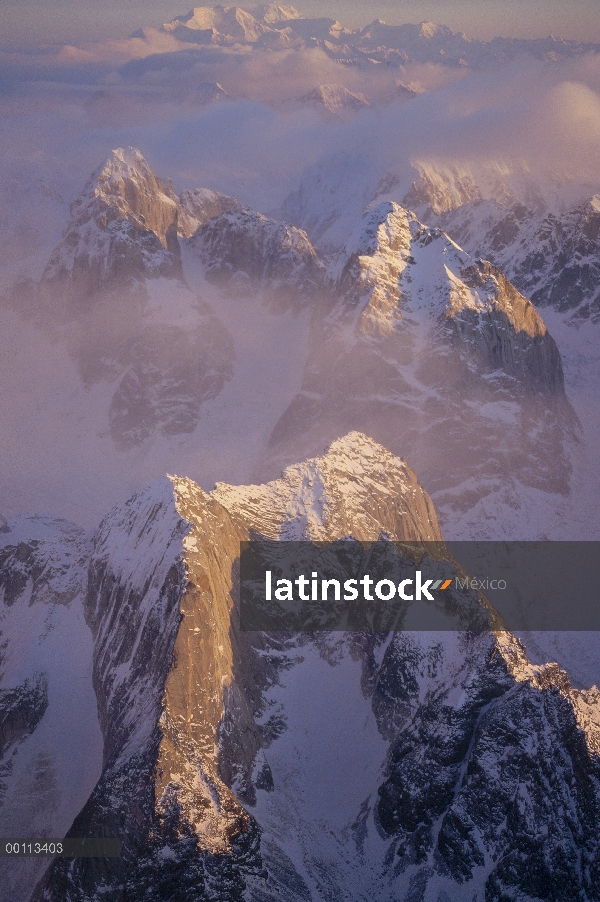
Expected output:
(335, 99)
(273, 27)
(209, 92)
(230, 24)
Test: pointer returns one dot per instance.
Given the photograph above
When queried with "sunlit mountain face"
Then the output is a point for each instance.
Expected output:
(290, 274)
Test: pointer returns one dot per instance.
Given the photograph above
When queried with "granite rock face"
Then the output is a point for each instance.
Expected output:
(436, 353)
(249, 252)
(200, 204)
(50, 743)
(122, 229)
(458, 767)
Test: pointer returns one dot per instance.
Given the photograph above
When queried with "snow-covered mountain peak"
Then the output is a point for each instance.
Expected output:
(230, 24)
(431, 30)
(394, 267)
(384, 227)
(247, 250)
(127, 161)
(222, 18)
(131, 532)
(350, 490)
(213, 735)
(336, 99)
(439, 188)
(207, 17)
(199, 204)
(368, 271)
(122, 228)
(127, 187)
(273, 13)
(210, 92)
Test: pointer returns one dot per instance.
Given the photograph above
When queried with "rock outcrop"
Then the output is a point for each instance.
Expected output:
(301, 766)
(250, 252)
(122, 229)
(432, 351)
(200, 204)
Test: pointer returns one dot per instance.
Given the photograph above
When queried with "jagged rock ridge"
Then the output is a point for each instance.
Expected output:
(479, 771)
(424, 346)
(335, 99)
(412, 340)
(123, 227)
(249, 251)
(270, 27)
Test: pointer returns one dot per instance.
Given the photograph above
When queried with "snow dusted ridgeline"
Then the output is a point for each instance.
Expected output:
(395, 271)
(123, 228)
(546, 244)
(439, 357)
(250, 252)
(297, 768)
(543, 235)
(200, 204)
(229, 24)
(50, 739)
(116, 284)
(272, 27)
(357, 488)
(336, 100)
(268, 26)
(553, 258)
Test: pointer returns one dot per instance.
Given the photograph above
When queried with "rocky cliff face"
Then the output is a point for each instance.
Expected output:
(179, 686)
(50, 758)
(122, 229)
(249, 252)
(554, 258)
(200, 204)
(433, 351)
(316, 766)
(157, 634)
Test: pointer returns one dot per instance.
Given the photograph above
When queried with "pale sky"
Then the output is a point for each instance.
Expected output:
(29, 22)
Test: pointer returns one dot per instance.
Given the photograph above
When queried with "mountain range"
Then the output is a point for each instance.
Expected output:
(274, 27)
(400, 334)
(383, 337)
